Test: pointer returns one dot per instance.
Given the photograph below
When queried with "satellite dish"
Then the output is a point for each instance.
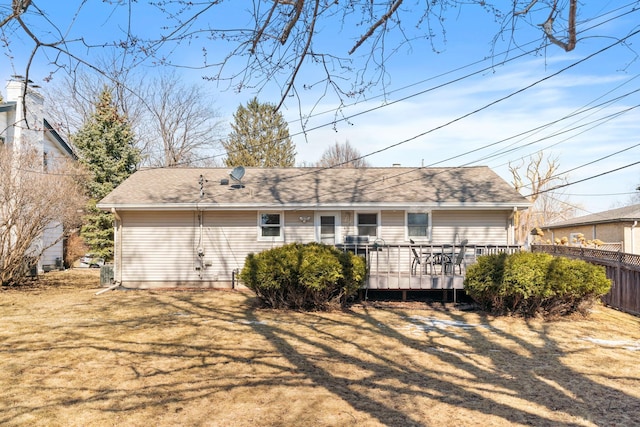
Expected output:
(237, 173)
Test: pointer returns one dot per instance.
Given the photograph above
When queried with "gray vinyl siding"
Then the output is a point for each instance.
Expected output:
(158, 246)
(229, 238)
(478, 227)
(162, 246)
(392, 228)
(298, 231)
(231, 235)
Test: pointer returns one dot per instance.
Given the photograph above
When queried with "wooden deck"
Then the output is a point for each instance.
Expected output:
(394, 267)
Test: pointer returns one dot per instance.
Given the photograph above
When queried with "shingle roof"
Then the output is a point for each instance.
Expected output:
(178, 188)
(624, 214)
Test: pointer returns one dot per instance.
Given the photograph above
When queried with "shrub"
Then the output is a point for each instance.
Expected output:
(535, 283)
(299, 276)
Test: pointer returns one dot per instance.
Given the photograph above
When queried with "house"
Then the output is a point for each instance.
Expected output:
(195, 227)
(619, 226)
(32, 131)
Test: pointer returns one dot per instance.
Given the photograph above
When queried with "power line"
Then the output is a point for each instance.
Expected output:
(493, 66)
(583, 180)
(484, 107)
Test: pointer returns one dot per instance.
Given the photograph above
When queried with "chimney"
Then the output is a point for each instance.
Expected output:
(29, 130)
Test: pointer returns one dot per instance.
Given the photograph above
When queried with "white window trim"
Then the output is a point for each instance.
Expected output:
(262, 238)
(378, 220)
(406, 225)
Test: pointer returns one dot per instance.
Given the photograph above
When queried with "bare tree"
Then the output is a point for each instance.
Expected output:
(282, 37)
(29, 208)
(540, 176)
(342, 156)
(175, 124)
(70, 99)
(185, 122)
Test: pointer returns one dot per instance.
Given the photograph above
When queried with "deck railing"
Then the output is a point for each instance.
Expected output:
(420, 266)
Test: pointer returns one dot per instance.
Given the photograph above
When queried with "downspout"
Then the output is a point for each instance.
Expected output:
(117, 246)
(633, 246)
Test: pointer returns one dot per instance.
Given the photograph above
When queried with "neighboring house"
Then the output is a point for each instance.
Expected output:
(33, 131)
(620, 226)
(195, 227)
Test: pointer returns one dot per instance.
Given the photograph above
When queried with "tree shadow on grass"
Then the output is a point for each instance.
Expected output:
(522, 375)
(156, 353)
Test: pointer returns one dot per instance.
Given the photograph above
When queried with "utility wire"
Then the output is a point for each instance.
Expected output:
(485, 69)
(582, 180)
(477, 110)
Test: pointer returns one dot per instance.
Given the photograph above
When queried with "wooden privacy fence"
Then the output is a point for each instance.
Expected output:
(622, 268)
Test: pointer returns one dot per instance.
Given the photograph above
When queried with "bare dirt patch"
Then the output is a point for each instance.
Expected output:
(70, 357)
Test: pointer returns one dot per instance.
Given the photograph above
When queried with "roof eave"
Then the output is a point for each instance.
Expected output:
(317, 206)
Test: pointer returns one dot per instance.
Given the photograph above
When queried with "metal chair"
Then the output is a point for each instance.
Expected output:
(416, 261)
(457, 260)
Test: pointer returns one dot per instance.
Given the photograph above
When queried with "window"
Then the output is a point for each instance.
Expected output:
(418, 225)
(270, 225)
(368, 224)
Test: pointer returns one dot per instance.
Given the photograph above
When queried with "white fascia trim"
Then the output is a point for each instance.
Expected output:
(300, 206)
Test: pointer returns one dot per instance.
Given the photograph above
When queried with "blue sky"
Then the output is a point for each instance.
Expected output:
(579, 107)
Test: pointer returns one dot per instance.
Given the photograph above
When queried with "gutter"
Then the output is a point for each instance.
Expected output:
(300, 206)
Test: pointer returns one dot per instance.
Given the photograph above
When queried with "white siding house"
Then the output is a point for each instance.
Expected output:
(172, 231)
(18, 132)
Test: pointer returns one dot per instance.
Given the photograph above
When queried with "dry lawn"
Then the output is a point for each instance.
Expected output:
(70, 357)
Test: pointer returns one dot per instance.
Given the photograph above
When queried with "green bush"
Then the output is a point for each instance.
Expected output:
(300, 276)
(535, 283)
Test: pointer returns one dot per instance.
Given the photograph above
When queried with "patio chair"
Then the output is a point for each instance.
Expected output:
(417, 259)
(457, 260)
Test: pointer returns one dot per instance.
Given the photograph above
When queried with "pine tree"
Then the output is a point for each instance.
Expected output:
(106, 149)
(260, 138)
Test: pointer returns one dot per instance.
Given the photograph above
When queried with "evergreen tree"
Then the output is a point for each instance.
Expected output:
(106, 149)
(260, 138)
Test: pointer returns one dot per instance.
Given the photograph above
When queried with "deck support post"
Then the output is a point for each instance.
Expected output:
(404, 295)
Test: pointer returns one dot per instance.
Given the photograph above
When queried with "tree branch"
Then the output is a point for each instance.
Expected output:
(18, 7)
(547, 27)
(303, 55)
(396, 4)
(258, 36)
(285, 34)
(526, 9)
